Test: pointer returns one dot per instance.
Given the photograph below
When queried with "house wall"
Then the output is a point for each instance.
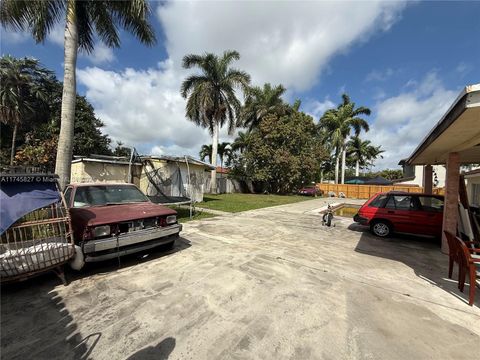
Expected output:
(439, 170)
(84, 172)
(173, 179)
(473, 189)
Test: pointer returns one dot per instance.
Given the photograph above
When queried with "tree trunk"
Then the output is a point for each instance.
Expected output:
(14, 140)
(213, 180)
(65, 140)
(344, 153)
(337, 160)
(357, 168)
(321, 176)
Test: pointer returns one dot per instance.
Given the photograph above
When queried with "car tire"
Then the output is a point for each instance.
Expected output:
(381, 228)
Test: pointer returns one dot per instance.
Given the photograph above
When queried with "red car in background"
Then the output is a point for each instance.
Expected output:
(310, 191)
(402, 212)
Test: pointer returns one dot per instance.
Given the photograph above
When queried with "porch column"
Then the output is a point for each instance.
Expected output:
(450, 208)
(428, 179)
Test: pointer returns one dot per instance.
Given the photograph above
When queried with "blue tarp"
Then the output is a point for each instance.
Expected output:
(18, 199)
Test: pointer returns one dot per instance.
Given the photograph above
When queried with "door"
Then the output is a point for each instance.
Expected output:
(431, 214)
(398, 210)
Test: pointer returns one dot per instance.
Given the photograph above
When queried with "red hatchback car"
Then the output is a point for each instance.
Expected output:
(402, 212)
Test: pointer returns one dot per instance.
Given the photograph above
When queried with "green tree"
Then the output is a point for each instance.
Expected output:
(23, 93)
(206, 152)
(261, 102)
(83, 20)
(211, 97)
(359, 151)
(283, 153)
(224, 152)
(41, 135)
(241, 142)
(338, 123)
(121, 150)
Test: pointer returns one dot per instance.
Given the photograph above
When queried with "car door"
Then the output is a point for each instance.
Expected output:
(431, 215)
(398, 210)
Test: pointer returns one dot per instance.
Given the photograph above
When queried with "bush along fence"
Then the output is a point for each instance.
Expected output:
(367, 191)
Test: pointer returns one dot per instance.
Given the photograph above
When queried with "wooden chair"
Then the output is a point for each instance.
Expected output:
(454, 255)
(468, 265)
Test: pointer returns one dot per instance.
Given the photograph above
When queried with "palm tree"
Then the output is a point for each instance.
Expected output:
(261, 102)
(24, 89)
(241, 142)
(224, 151)
(338, 123)
(206, 152)
(211, 98)
(358, 150)
(83, 20)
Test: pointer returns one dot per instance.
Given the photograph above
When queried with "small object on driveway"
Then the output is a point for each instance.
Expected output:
(112, 220)
(327, 218)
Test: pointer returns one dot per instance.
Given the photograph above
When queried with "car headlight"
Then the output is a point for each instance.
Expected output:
(171, 219)
(99, 231)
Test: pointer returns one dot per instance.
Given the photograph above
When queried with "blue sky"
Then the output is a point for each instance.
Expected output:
(407, 61)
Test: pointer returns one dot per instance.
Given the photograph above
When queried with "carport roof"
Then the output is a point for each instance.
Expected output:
(457, 131)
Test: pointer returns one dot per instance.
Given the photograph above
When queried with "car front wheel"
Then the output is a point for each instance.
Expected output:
(381, 228)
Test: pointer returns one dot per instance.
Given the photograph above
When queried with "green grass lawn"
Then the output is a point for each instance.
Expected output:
(242, 202)
(184, 214)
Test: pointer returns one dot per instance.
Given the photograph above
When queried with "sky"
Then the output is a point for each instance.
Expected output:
(407, 61)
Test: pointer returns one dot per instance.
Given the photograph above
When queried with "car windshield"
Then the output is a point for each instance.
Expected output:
(98, 195)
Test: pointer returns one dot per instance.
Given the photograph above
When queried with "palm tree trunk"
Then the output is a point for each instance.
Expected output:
(65, 140)
(14, 140)
(337, 160)
(213, 180)
(344, 153)
(357, 168)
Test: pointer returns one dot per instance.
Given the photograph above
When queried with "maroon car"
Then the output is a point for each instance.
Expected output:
(111, 220)
(310, 191)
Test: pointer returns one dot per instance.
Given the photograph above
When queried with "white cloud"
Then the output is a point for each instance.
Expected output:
(141, 107)
(280, 42)
(13, 37)
(57, 34)
(101, 54)
(402, 121)
(379, 75)
(317, 108)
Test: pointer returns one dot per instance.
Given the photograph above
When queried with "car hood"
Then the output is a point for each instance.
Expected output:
(97, 215)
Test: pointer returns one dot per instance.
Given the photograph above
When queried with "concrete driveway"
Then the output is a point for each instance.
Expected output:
(265, 284)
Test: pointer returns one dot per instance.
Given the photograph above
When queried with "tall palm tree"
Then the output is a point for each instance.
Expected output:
(83, 20)
(24, 87)
(224, 152)
(211, 97)
(206, 152)
(338, 123)
(241, 142)
(358, 150)
(261, 102)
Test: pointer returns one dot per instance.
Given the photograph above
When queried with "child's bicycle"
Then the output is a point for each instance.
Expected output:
(327, 218)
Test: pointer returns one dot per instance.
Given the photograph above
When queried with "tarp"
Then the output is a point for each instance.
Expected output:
(378, 181)
(355, 181)
(19, 198)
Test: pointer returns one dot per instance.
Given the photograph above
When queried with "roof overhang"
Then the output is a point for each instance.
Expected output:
(457, 131)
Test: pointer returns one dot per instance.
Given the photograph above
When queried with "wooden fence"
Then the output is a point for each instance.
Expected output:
(366, 191)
